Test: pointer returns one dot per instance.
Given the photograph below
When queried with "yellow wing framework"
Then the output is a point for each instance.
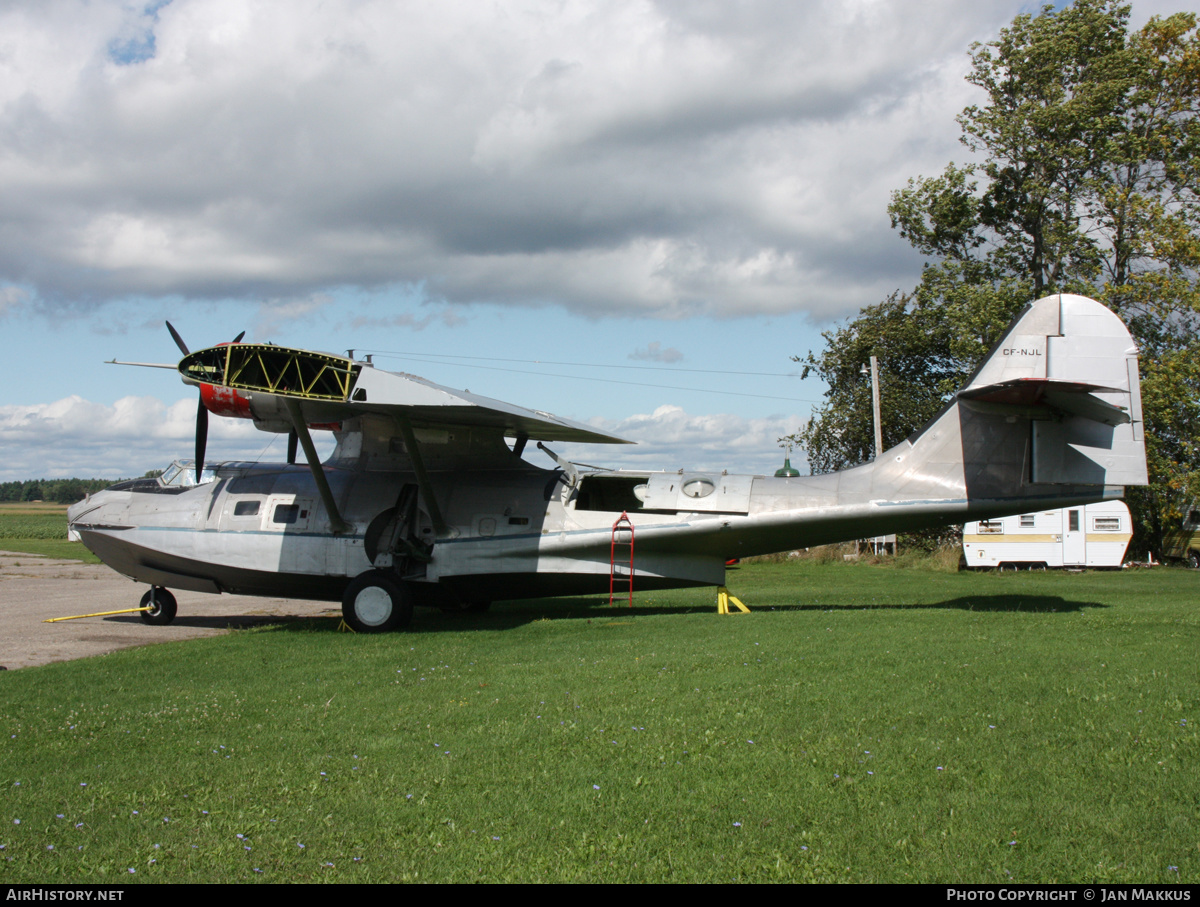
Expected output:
(269, 369)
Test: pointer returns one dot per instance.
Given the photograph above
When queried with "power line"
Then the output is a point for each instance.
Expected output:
(699, 390)
(655, 368)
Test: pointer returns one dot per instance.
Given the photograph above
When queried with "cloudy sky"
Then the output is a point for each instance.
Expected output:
(630, 213)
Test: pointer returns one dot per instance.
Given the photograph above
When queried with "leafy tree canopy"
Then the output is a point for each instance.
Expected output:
(1084, 178)
(58, 491)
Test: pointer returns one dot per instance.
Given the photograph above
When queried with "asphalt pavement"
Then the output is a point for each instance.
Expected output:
(34, 588)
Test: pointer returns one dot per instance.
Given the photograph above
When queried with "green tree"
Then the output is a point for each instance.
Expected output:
(1085, 178)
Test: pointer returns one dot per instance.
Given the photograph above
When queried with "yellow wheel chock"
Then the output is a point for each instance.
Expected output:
(723, 600)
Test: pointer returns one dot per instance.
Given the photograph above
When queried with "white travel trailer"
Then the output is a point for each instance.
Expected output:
(1095, 535)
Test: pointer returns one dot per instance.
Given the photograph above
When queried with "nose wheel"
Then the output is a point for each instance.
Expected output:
(160, 605)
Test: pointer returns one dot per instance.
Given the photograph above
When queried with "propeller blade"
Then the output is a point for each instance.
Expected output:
(293, 439)
(201, 437)
(238, 338)
(178, 340)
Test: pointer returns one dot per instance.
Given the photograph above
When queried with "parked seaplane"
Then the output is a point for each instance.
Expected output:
(426, 498)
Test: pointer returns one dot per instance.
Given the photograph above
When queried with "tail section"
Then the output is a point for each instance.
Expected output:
(1053, 417)
(1069, 366)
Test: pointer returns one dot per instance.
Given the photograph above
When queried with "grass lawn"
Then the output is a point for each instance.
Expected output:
(863, 724)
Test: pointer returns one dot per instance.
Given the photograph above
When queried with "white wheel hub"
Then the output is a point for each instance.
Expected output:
(373, 606)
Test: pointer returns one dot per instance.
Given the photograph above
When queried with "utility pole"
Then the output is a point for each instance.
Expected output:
(879, 543)
(875, 407)
(876, 420)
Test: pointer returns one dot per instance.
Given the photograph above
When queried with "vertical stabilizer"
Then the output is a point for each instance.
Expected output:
(1069, 366)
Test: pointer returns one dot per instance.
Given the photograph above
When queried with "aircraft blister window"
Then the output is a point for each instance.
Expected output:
(245, 508)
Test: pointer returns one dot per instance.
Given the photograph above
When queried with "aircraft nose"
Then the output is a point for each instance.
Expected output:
(89, 506)
(79, 508)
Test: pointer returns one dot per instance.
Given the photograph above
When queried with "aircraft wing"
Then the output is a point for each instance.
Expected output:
(260, 381)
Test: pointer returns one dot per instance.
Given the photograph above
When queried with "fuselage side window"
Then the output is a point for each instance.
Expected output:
(245, 508)
(286, 514)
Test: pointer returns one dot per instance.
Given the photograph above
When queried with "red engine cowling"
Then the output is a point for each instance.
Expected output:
(225, 401)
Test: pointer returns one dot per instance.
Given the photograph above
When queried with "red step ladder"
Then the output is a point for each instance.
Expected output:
(622, 536)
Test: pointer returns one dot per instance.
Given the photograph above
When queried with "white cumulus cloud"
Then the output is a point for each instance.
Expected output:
(638, 157)
(670, 438)
(75, 437)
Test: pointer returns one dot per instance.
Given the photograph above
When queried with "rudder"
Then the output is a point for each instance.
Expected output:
(1069, 365)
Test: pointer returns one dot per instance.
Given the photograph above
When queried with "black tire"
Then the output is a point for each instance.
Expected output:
(376, 602)
(162, 606)
(1194, 560)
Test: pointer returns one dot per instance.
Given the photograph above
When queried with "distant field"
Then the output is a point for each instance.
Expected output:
(31, 507)
(863, 724)
(39, 529)
(33, 521)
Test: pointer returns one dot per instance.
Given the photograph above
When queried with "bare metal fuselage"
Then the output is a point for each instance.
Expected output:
(524, 532)
(1052, 418)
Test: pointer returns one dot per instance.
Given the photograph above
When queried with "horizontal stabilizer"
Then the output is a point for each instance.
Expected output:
(1073, 397)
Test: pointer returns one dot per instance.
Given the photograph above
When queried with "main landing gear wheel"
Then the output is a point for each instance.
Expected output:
(376, 601)
(161, 604)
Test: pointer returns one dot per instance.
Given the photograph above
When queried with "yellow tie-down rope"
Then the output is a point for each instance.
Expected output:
(51, 620)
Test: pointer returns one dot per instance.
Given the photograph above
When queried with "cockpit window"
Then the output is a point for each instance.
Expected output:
(182, 474)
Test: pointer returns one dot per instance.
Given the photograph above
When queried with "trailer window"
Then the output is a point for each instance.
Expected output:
(1027, 521)
(1072, 521)
(1106, 524)
(991, 527)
